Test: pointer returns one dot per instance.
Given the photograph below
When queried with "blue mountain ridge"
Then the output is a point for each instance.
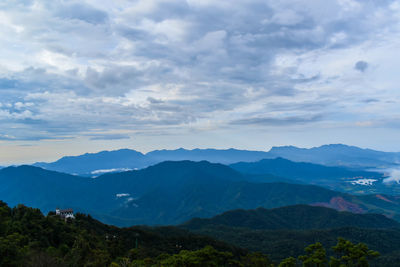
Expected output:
(332, 155)
(173, 192)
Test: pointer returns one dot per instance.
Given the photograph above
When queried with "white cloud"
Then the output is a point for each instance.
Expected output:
(156, 66)
(394, 177)
(122, 195)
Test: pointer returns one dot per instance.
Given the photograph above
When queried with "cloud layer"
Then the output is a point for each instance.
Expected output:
(114, 70)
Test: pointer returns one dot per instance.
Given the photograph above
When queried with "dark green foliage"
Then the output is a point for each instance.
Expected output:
(205, 257)
(288, 262)
(256, 259)
(315, 257)
(349, 254)
(294, 217)
(280, 244)
(30, 239)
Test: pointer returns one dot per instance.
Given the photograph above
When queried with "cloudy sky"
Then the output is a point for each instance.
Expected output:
(83, 76)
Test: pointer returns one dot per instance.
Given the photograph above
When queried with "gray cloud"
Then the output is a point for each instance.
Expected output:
(76, 68)
(278, 121)
(108, 136)
(361, 66)
(370, 100)
(82, 12)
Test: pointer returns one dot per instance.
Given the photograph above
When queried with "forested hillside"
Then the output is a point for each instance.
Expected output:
(285, 231)
(172, 193)
(28, 238)
(299, 217)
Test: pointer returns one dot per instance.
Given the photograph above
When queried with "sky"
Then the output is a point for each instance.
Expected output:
(84, 76)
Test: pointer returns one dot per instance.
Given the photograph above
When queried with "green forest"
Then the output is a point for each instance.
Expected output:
(28, 238)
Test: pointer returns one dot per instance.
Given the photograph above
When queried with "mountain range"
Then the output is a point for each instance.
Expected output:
(276, 202)
(173, 192)
(93, 164)
(339, 155)
(342, 179)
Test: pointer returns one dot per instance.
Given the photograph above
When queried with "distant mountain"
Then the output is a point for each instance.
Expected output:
(113, 192)
(293, 217)
(338, 155)
(305, 172)
(335, 178)
(207, 198)
(344, 179)
(224, 156)
(94, 164)
(172, 192)
(97, 163)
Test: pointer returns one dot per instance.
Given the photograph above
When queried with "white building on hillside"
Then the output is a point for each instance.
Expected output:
(65, 214)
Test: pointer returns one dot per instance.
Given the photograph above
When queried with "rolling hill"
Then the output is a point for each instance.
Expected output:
(285, 231)
(44, 189)
(172, 192)
(297, 217)
(28, 238)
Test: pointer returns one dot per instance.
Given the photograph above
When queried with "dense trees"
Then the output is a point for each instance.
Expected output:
(347, 254)
(27, 238)
(316, 256)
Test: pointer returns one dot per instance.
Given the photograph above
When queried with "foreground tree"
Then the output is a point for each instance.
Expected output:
(288, 262)
(349, 254)
(315, 257)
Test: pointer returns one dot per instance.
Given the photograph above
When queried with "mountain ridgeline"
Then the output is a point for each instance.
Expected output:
(339, 155)
(173, 192)
(225, 215)
(297, 217)
(350, 180)
(333, 155)
(301, 171)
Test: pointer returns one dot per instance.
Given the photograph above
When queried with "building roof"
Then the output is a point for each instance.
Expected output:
(66, 211)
